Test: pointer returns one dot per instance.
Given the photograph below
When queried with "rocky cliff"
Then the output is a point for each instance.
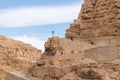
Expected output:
(97, 18)
(15, 55)
(90, 51)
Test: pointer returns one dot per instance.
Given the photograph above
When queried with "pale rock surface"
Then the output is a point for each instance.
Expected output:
(16, 75)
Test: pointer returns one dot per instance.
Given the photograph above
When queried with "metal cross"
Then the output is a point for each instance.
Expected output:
(53, 33)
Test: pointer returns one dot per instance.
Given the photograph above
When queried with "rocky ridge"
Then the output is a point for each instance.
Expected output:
(15, 55)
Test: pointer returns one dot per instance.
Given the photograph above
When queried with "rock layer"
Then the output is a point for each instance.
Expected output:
(97, 18)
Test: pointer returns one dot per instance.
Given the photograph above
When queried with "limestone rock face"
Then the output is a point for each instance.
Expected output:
(16, 55)
(91, 49)
(18, 49)
(57, 63)
(97, 18)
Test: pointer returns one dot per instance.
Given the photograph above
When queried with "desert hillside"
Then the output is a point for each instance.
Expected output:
(16, 55)
(90, 51)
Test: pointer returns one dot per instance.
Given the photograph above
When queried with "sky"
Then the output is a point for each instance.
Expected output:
(32, 21)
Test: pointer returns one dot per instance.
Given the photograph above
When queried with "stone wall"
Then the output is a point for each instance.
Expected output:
(59, 46)
(106, 53)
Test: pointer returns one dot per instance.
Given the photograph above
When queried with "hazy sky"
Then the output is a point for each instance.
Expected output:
(32, 21)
